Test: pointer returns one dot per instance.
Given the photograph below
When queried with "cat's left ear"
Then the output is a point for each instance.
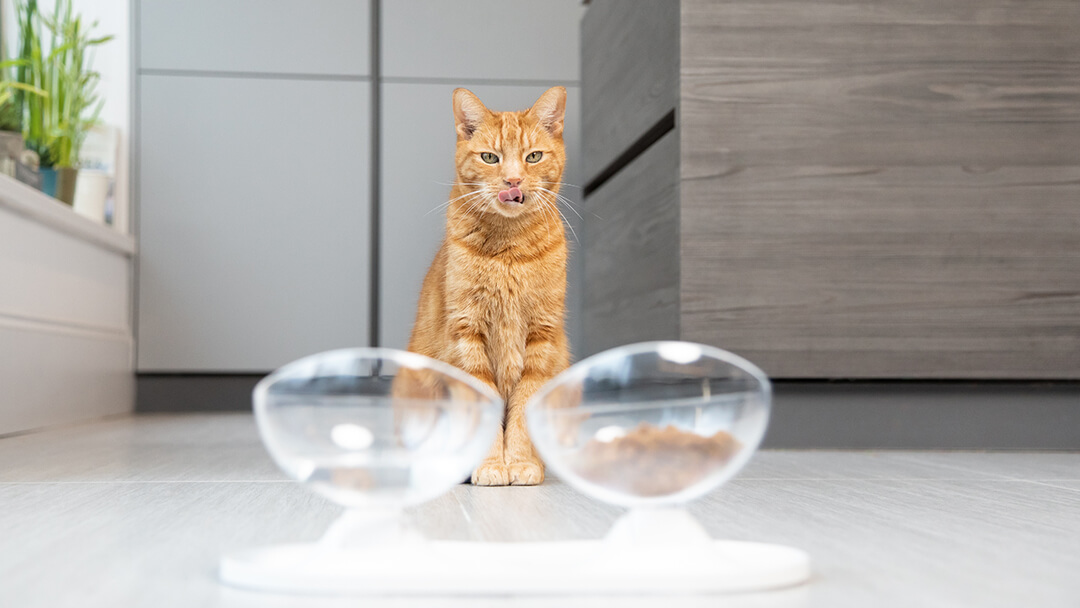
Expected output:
(550, 110)
(469, 113)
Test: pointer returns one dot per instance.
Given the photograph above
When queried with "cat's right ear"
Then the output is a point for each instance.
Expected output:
(469, 113)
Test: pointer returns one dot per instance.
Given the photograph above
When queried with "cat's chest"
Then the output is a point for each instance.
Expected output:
(507, 302)
(502, 294)
(506, 297)
(502, 288)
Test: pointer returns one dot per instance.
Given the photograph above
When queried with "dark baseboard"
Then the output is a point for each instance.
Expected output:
(195, 392)
(806, 414)
(926, 415)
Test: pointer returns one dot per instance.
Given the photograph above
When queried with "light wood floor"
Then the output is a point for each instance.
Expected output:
(136, 511)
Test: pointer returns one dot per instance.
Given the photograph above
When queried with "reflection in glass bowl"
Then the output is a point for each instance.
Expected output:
(376, 428)
(651, 424)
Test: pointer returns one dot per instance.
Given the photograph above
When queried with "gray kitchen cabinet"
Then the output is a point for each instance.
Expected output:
(314, 37)
(417, 163)
(632, 63)
(488, 40)
(873, 190)
(633, 220)
(253, 223)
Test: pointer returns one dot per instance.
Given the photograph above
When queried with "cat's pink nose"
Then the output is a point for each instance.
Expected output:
(512, 182)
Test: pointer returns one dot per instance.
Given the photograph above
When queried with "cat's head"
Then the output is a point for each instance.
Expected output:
(512, 160)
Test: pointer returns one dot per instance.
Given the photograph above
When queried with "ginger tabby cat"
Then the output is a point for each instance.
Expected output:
(493, 300)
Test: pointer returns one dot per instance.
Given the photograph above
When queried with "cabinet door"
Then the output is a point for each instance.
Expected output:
(891, 193)
(632, 252)
(253, 221)
(629, 75)
(511, 40)
(278, 36)
(418, 143)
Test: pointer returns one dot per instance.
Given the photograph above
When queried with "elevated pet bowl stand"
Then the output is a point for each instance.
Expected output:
(658, 551)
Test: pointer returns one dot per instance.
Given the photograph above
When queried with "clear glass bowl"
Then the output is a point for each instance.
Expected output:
(651, 424)
(376, 428)
(647, 426)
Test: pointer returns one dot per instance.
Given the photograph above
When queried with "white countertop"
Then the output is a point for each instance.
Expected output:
(28, 202)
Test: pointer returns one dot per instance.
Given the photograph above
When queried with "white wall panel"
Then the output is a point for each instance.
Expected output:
(279, 36)
(481, 39)
(254, 221)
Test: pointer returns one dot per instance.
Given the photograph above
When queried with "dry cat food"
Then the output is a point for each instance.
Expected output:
(650, 461)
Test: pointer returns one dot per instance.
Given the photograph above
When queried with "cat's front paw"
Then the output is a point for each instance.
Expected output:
(526, 473)
(491, 473)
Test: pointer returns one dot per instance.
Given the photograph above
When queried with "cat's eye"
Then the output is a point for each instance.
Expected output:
(489, 158)
(534, 157)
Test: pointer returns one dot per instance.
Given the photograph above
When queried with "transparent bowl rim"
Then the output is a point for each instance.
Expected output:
(370, 352)
(580, 368)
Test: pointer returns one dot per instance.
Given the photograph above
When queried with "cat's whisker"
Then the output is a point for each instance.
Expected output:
(555, 207)
(559, 184)
(459, 183)
(562, 198)
(473, 204)
(590, 212)
(447, 203)
(440, 207)
(472, 199)
(547, 214)
(568, 225)
(569, 204)
(557, 194)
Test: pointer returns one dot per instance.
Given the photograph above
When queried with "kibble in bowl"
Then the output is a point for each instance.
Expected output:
(655, 423)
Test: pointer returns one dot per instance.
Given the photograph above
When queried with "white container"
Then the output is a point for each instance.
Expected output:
(91, 194)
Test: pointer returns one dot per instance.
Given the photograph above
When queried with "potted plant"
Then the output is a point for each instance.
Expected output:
(55, 124)
(11, 138)
(12, 93)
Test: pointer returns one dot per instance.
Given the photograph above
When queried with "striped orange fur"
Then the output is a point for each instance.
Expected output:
(493, 301)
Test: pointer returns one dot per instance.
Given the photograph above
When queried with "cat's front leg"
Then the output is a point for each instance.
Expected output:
(524, 466)
(470, 355)
(545, 356)
(493, 471)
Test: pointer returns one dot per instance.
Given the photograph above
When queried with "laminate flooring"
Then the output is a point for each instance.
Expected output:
(136, 511)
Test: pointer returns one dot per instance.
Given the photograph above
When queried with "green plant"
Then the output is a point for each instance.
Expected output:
(56, 123)
(10, 116)
(12, 92)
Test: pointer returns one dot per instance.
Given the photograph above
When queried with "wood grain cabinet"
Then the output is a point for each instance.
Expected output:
(837, 190)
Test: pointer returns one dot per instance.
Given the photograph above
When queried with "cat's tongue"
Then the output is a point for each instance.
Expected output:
(513, 194)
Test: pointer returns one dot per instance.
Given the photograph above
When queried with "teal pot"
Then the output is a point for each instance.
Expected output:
(48, 180)
(59, 183)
